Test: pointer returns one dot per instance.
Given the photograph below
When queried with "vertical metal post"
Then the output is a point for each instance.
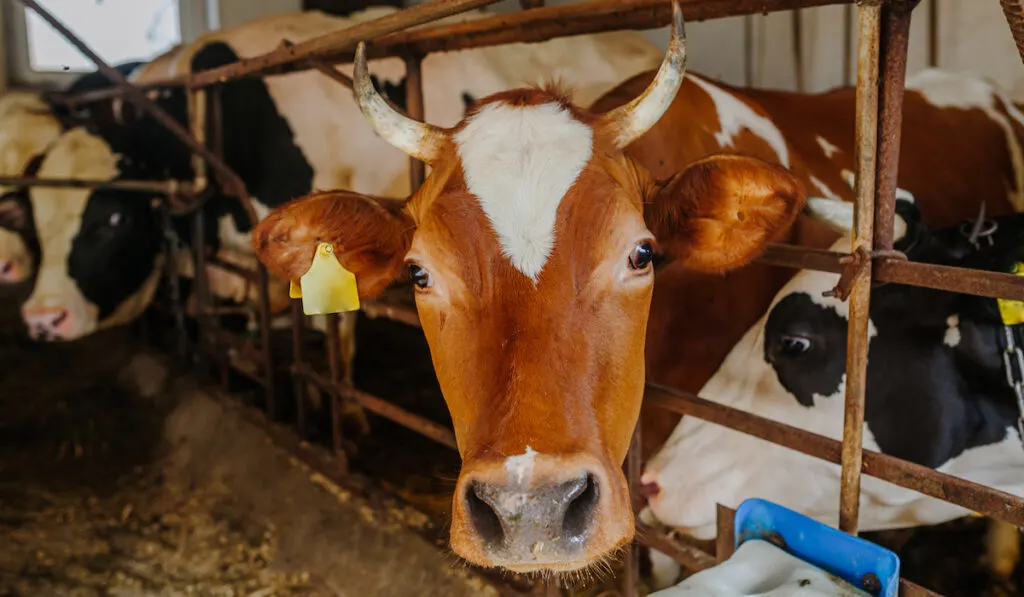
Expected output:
(748, 50)
(415, 108)
(725, 537)
(933, 33)
(847, 42)
(215, 139)
(266, 352)
(202, 300)
(798, 48)
(333, 356)
(869, 18)
(634, 468)
(893, 73)
(298, 361)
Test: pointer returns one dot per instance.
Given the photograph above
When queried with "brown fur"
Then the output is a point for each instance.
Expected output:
(557, 366)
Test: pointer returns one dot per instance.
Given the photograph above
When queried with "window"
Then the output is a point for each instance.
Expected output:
(118, 30)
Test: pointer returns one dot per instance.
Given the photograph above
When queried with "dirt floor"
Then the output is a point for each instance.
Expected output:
(121, 476)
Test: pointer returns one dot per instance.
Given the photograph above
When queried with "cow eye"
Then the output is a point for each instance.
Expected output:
(114, 220)
(641, 257)
(420, 277)
(794, 346)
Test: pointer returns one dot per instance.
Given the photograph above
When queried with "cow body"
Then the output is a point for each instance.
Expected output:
(308, 136)
(961, 145)
(936, 394)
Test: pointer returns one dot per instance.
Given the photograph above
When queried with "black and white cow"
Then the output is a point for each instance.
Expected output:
(936, 391)
(284, 135)
(28, 126)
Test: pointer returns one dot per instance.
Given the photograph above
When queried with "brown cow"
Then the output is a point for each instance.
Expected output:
(961, 146)
(531, 246)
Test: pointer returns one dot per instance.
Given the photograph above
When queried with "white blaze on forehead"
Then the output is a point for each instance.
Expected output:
(520, 468)
(734, 116)
(952, 335)
(520, 161)
(827, 147)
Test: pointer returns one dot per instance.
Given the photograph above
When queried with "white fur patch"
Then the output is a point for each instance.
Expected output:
(952, 336)
(827, 147)
(827, 192)
(734, 116)
(520, 162)
(520, 468)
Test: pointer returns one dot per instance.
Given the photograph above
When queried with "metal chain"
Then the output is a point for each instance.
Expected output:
(1013, 356)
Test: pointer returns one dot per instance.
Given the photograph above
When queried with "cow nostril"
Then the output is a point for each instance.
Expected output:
(60, 318)
(485, 519)
(579, 515)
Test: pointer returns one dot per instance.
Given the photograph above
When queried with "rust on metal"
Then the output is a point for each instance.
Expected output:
(725, 535)
(894, 41)
(797, 27)
(1014, 11)
(162, 187)
(344, 39)
(416, 110)
(298, 359)
(978, 498)
(578, 18)
(688, 556)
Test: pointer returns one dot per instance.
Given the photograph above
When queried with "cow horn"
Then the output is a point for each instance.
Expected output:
(417, 139)
(638, 116)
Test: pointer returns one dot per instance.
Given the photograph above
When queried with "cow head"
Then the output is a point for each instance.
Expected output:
(26, 129)
(99, 248)
(530, 246)
(935, 394)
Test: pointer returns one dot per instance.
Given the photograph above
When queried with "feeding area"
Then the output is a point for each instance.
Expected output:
(464, 297)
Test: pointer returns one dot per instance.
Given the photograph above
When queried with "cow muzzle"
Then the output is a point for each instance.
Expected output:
(534, 512)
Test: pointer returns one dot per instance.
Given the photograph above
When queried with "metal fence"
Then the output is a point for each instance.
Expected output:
(883, 27)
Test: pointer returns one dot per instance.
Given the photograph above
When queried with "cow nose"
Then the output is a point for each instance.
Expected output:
(47, 324)
(521, 523)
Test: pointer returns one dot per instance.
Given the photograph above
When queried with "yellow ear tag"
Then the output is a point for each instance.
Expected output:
(294, 290)
(1012, 312)
(327, 287)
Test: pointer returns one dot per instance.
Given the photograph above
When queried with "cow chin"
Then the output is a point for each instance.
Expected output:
(536, 513)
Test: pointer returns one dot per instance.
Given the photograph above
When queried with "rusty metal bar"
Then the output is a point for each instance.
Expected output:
(202, 300)
(893, 73)
(347, 38)
(266, 350)
(688, 556)
(333, 340)
(414, 106)
(421, 425)
(748, 50)
(634, 468)
(168, 187)
(847, 42)
(933, 33)
(248, 274)
(578, 18)
(978, 498)
(298, 360)
(138, 98)
(1014, 11)
(797, 25)
(725, 534)
(869, 25)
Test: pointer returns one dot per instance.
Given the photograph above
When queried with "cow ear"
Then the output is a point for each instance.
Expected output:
(13, 213)
(721, 212)
(370, 237)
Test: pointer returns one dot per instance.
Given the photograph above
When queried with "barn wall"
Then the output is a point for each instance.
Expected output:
(973, 37)
(236, 12)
